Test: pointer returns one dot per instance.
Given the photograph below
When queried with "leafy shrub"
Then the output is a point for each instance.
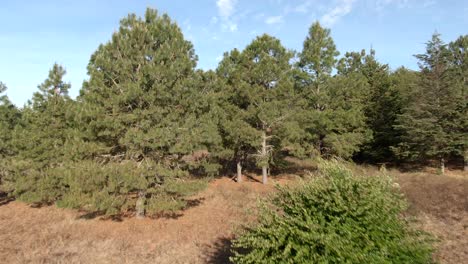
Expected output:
(336, 217)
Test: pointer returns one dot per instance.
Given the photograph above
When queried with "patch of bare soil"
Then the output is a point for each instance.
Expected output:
(200, 234)
(440, 203)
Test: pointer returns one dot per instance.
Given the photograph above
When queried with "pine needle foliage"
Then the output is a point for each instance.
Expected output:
(336, 217)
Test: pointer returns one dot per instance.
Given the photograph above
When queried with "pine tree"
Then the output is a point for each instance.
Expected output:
(240, 137)
(332, 109)
(431, 122)
(49, 106)
(318, 58)
(41, 138)
(9, 115)
(261, 98)
(144, 104)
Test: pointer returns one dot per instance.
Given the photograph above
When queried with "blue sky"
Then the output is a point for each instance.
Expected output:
(35, 34)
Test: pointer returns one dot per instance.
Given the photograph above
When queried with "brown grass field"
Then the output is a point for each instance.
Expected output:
(202, 233)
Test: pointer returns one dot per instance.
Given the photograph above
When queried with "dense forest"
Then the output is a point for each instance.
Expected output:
(148, 128)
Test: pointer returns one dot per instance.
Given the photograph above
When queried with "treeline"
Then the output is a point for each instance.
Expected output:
(147, 124)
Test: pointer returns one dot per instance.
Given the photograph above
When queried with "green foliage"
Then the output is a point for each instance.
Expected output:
(434, 123)
(332, 119)
(109, 188)
(113, 188)
(458, 72)
(136, 95)
(43, 130)
(259, 99)
(336, 217)
(318, 56)
(146, 120)
(9, 116)
(40, 139)
(384, 101)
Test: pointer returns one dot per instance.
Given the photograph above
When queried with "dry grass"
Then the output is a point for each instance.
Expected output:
(202, 234)
(440, 203)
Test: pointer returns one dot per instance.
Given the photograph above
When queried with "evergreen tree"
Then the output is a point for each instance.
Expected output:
(316, 61)
(240, 137)
(41, 138)
(431, 122)
(383, 103)
(261, 98)
(44, 124)
(459, 79)
(332, 109)
(9, 115)
(145, 104)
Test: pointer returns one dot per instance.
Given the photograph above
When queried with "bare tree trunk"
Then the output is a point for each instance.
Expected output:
(442, 166)
(264, 156)
(465, 160)
(140, 205)
(239, 171)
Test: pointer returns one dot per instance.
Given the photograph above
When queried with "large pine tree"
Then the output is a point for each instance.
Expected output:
(261, 98)
(240, 137)
(144, 104)
(332, 106)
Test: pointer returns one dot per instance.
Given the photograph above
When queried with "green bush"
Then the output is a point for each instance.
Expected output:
(336, 217)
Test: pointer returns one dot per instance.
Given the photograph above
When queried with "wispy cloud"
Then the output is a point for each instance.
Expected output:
(429, 3)
(303, 7)
(214, 20)
(337, 12)
(226, 9)
(382, 4)
(274, 20)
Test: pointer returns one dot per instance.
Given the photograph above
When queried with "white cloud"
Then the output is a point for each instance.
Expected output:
(259, 16)
(226, 9)
(274, 20)
(429, 3)
(340, 10)
(303, 7)
(382, 4)
(214, 20)
(233, 27)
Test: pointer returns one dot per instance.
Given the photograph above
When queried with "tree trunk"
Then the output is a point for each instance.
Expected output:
(442, 166)
(239, 171)
(465, 160)
(264, 156)
(140, 205)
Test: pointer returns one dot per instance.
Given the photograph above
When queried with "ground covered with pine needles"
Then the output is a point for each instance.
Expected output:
(202, 233)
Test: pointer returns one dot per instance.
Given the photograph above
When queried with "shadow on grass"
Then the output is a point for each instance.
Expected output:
(251, 178)
(295, 166)
(219, 252)
(4, 199)
(119, 217)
